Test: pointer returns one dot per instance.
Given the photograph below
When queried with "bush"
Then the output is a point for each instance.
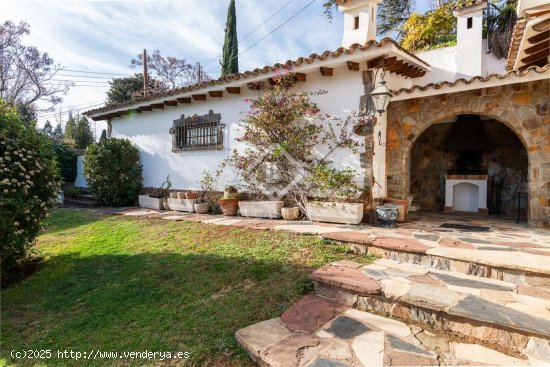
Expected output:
(66, 161)
(29, 185)
(113, 171)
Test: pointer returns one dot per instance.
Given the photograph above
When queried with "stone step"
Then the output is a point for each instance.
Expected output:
(321, 332)
(519, 263)
(507, 317)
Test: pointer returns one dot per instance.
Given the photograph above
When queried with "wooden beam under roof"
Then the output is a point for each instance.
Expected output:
(233, 90)
(536, 48)
(377, 62)
(395, 66)
(536, 56)
(199, 97)
(184, 100)
(389, 61)
(353, 66)
(541, 37)
(171, 103)
(326, 71)
(216, 93)
(145, 108)
(301, 77)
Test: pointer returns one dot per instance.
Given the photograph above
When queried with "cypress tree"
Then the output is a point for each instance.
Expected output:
(230, 62)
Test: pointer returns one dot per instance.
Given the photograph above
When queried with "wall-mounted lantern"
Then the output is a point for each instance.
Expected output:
(381, 96)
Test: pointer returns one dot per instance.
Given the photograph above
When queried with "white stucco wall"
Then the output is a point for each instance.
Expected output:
(149, 130)
(80, 180)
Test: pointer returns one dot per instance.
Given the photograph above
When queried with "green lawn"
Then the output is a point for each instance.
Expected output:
(120, 284)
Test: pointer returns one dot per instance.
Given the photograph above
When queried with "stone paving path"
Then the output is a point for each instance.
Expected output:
(319, 332)
(447, 290)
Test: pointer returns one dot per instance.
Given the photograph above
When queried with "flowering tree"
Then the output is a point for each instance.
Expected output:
(289, 146)
(29, 183)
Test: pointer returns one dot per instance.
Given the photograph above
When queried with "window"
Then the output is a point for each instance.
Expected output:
(469, 22)
(356, 20)
(197, 133)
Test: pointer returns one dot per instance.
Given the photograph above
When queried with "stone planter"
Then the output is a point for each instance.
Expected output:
(229, 207)
(291, 213)
(182, 205)
(345, 213)
(145, 201)
(202, 208)
(387, 215)
(261, 209)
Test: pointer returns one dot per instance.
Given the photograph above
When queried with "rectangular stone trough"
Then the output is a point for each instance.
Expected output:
(182, 205)
(332, 212)
(261, 209)
(145, 201)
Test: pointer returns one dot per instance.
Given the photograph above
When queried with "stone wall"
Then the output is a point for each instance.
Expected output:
(523, 107)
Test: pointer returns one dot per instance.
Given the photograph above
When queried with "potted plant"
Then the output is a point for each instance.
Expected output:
(230, 192)
(229, 207)
(156, 198)
(208, 195)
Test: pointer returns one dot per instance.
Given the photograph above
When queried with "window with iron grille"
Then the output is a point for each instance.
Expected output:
(197, 132)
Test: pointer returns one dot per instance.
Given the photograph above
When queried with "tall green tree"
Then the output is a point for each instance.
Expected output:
(128, 88)
(83, 134)
(230, 63)
(70, 128)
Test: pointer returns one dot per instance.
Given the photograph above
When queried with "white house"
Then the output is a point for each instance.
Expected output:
(464, 131)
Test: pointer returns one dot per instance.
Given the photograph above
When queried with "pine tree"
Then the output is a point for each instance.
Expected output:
(70, 128)
(48, 128)
(230, 62)
(83, 134)
(57, 134)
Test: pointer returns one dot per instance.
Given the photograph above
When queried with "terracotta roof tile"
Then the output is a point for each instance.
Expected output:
(536, 69)
(465, 4)
(258, 71)
(515, 42)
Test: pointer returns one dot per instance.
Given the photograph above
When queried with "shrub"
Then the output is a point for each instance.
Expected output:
(29, 185)
(66, 161)
(113, 171)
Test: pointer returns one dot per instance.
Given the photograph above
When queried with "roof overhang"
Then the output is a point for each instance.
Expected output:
(530, 44)
(384, 54)
(532, 73)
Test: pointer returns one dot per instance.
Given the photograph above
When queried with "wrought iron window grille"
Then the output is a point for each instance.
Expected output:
(197, 133)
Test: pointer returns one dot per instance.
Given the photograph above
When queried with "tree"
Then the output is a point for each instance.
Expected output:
(48, 129)
(283, 130)
(113, 171)
(390, 16)
(230, 63)
(83, 134)
(70, 128)
(29, 184)
(58, 133)
(26, 74)
(170, 72)
(432, 29)
(128, 88)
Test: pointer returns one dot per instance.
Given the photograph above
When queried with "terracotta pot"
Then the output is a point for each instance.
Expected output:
(181, 195)
(191, 195)
(290, 213)
(202, 208)
(229, 207)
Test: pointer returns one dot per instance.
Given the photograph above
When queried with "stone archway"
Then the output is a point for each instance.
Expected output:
(521, 107)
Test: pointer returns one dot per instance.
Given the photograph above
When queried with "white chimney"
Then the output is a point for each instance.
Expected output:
(359, 21)
(469, 39)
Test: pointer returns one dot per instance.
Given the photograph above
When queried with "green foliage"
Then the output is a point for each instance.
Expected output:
(230, 63)
(126, 89)
(83, 135)
(72, 191)
(209, 183)
(423, 31)
(66, 162)
(284, 131)
(163, 191)
(29, 184)
(113, 171)
(70, 128)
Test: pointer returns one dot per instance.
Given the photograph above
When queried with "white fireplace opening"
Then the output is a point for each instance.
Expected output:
(466, 193)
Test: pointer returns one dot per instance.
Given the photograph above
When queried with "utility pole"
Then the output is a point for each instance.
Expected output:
(145, 75)
(199, 72)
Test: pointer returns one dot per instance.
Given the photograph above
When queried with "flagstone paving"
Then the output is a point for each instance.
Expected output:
(447, 289)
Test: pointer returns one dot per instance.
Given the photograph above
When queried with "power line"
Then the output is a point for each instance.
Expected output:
(63, 113)
(79, 81)
(255, 29)
(270, 33)
(85, 76)
(93, 72)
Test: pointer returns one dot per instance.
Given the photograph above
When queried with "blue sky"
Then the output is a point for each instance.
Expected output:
(103, 36)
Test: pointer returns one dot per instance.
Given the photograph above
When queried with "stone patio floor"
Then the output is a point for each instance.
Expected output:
(498, 242)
